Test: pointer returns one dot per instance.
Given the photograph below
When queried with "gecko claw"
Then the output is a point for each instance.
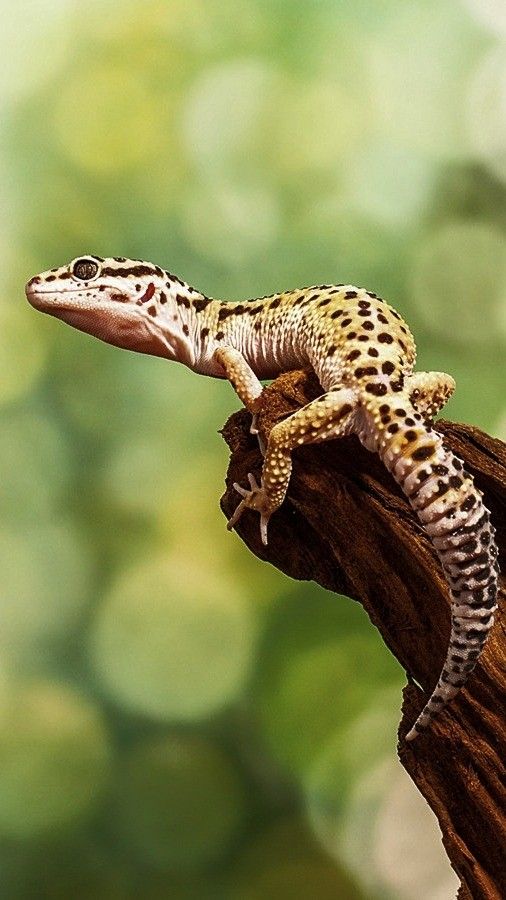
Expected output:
(255, 498)
(254, 430)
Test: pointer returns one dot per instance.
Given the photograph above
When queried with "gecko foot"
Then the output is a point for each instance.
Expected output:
(255, 498)
(254, 430)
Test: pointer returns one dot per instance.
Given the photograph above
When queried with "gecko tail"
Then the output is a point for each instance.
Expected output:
(452, 512)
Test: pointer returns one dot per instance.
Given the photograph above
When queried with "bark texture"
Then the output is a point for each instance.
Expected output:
(346, 525)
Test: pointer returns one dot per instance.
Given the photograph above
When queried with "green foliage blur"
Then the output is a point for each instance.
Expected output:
(178, 720)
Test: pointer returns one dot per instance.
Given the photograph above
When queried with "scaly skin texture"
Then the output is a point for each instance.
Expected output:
(363, 354)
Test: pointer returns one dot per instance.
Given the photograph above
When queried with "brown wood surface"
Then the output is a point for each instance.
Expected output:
(346, 525)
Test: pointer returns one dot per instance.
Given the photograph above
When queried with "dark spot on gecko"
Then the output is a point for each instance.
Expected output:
(351, 335)
(393, 428)
(350, 294)
(119, 298)
(396, 386)
(410, 421)
(345, 322)
(224, 313)
(186, 330)
(220, 335)
(353, 355)
(385, 338)
(337, 313)
(372, 351)
(204, 333)
(364, 312)
(400, 412)
(388, 367)
(163, 297)
(182, 301)
(257, 326)
(382, 318)
(152, 311)
(455, 481)
(369, 326)
(468, 503)
(384, 408)
(135, 271)
(364, 304)
(51, 278)
(411, 436)
(379, 390)
(368, 370)
(424, 452)
(275, 303)
(325, 302)
(363, 337)
(173, 278)
(332, 349)
(313, 297)
(200, 303)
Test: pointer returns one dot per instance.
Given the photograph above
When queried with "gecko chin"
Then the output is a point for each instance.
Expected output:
(123, 326)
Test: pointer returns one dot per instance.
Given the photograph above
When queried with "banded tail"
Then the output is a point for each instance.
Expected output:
(451, 510)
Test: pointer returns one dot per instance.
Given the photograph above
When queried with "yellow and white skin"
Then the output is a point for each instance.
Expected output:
(363, 354)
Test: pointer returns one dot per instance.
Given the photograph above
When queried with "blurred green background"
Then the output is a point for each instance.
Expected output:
(178, 720)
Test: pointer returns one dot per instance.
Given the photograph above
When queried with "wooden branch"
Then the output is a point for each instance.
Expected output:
(346, 525)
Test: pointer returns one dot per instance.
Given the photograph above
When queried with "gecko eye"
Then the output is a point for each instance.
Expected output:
(85, 269)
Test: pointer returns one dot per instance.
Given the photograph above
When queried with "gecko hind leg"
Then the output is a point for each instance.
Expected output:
(328, 417)
(429, 391)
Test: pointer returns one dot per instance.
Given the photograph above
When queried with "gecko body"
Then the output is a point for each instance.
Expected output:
(363, 354)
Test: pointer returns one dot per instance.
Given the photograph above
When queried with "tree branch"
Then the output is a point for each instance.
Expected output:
(346, 525)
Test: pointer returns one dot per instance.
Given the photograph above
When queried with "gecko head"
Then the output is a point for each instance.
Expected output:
(128, 303)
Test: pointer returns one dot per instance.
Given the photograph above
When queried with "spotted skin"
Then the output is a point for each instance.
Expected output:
(363, 354)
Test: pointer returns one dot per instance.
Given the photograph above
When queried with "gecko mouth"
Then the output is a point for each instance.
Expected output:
(54, 301)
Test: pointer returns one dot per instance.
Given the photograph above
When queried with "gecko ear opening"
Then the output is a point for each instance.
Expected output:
(148, 293)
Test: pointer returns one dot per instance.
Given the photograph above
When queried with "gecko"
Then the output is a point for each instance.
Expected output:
(363, 354)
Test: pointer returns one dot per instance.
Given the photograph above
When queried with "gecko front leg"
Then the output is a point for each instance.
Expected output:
(245, 383)
(327, 417)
